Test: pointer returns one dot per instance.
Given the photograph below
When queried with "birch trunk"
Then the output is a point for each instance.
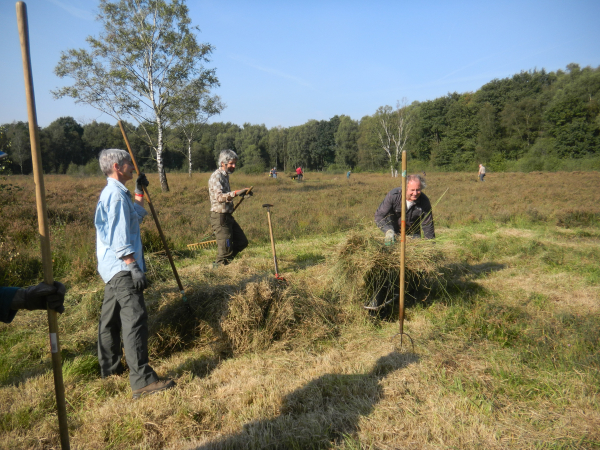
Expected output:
(160, 164)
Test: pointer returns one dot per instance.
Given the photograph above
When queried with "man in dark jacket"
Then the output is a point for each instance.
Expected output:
(418, 211)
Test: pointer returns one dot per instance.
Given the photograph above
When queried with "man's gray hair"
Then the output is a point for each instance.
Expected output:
(227, 156)
(110, 156)
(418, 178)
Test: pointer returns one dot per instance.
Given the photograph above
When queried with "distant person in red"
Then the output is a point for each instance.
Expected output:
(299, 173)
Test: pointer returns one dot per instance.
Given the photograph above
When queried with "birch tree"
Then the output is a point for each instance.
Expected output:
(139, 67)
(192, 113)
(393, 128)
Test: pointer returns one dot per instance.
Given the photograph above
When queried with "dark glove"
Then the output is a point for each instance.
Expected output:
(42, 296)
(139, 278)
(140, 183)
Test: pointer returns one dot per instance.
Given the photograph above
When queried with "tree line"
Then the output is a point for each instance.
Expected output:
(534, 118)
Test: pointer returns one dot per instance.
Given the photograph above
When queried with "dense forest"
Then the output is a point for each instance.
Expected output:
(534, 120)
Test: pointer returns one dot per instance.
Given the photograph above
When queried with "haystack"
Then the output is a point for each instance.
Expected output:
(363, 266)
(269, 311)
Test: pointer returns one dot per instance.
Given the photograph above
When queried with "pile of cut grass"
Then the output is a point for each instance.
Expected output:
(362, 265)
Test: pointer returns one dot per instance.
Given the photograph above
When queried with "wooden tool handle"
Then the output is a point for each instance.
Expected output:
(44, 229)
(154, 215)
(402, 243)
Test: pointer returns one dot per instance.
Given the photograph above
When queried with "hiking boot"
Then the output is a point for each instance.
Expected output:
(152, 388)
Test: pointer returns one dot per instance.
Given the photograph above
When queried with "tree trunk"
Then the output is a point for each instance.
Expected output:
(162, 176)
(190, 158)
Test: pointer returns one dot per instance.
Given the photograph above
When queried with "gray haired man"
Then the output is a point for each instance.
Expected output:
(418, 211)
(231, 239)
(121, 266)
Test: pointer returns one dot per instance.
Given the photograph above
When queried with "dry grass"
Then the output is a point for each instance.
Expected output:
(507, 342)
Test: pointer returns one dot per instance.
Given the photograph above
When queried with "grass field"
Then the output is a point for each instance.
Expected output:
(507, 335)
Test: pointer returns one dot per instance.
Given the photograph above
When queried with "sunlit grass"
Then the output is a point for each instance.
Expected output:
(507, 343)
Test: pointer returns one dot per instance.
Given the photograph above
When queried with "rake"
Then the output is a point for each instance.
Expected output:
(201, 245)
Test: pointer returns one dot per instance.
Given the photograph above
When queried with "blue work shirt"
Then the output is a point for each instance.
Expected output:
(118, 234)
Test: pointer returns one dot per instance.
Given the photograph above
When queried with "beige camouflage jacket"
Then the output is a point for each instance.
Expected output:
(221, 197)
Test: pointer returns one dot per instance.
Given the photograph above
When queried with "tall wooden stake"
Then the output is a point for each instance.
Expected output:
(401, 333)
(40, 196)
(402, 244)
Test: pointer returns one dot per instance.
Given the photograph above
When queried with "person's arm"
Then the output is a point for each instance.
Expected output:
(385, 215)
(7, 314)
(121, 241)
(39, 297)
(427, 221)
(119, 236)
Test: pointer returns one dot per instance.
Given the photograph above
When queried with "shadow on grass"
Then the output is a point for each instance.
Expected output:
(454, 282)
(321, 414)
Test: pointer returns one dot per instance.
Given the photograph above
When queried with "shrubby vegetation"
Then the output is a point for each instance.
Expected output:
(532, 121)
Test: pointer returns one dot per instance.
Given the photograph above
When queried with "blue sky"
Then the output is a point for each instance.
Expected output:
(286, 62)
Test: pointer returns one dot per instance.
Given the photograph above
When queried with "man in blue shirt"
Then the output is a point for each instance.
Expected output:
(121, 266)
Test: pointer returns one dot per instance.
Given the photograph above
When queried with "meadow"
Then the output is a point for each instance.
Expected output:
(506, 333)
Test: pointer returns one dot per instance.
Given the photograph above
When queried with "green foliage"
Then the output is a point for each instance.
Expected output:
(532, 121)
(146, 65)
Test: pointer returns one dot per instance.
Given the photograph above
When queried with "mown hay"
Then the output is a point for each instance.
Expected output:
(268, 311)
(363, 266)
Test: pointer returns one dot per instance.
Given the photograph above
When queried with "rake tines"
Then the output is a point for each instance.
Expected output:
(201, 245)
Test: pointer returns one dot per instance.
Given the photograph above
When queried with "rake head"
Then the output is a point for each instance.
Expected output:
(201, 245)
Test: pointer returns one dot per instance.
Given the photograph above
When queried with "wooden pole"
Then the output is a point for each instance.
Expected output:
(154, 215)
(243, 198)
(40, 196)
(272, 239)
(402, 243)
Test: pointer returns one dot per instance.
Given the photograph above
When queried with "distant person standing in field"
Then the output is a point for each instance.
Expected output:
(481, 172)
(274, 172)
(299, 173)
(348, 174)
(231, 239)
(121, 266)
(418, 211)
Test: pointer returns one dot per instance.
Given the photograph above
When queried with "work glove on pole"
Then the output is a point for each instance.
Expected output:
(243, 192)
(139, 278)
(41, 296)
(390, 238)
(140, 183)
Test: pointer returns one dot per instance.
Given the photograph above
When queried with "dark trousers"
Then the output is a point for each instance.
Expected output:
(230, 237)
(124, 308)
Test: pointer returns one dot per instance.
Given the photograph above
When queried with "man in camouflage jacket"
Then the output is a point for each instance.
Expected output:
(230, 237)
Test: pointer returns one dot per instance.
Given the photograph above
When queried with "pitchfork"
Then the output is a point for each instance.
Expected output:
(401, 333)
